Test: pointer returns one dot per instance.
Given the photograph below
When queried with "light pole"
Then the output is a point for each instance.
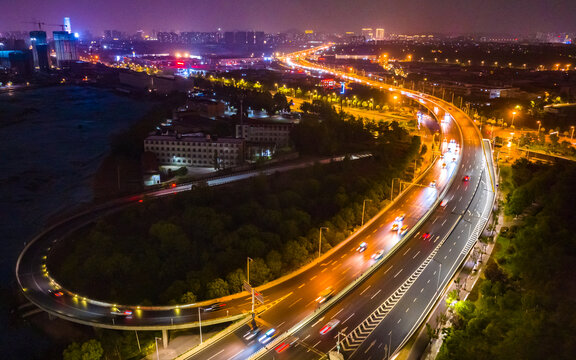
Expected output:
(572, 132)
(338, 342)
(157, 353)
(363, 208)
(248, 259)
(540, 124)
(320, 240)
(513, 115)
(200, 323)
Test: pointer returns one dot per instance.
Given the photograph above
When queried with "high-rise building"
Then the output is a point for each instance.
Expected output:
(66, 46)
(229, 38)
(368, 33)
(40, 50)
(67, 26)
(379, 34)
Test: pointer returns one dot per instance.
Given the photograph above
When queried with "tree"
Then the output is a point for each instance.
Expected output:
(72, 352)
(92, 350)
(188, 298)
(217, 288)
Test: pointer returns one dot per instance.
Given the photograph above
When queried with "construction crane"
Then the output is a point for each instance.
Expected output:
(39, 23)
(61, 25)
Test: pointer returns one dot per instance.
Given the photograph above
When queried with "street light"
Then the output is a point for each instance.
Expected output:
(513, 115)
(392, 188)
(200, 323)
(320, 240)
(540, 124)
(363, 208)
(156, 342)
(572, 132)
(248, 259)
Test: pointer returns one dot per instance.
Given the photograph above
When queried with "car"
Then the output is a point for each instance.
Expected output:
(214, 307)
(362, 247)
(329, 326)
(466, 178)
(56, 293)
(267, 336)
(403, 229)
(433, 183)
(426, 236)
(325, 295)
(401, 217)
(395, 226)
(286, 344)
(378, 255)
(251, 334)
(121, 312)
(444, 203)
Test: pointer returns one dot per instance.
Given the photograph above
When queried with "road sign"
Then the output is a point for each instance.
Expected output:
(247, 287)
(259, 296)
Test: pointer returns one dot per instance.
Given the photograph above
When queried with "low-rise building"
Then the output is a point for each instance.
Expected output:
(277, 133)
(199, 151)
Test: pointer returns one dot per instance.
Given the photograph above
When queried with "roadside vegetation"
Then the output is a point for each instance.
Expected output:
(194, 246)
(526, 303)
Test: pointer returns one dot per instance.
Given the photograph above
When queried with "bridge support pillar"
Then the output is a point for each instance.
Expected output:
(164, 338)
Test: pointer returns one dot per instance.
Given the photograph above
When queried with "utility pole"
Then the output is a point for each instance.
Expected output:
(200, 323)
(248, 259)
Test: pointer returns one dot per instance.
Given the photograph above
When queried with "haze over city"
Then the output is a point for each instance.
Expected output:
(448, 16)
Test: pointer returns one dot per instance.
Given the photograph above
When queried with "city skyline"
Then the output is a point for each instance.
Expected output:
(515, 17)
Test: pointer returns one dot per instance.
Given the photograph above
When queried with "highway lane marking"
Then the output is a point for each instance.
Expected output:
(444, 222)
(398, 322)
(388, 269)
(372, 344)
(294, 303)
(437, 238)
(306, 337)
(313, 277)
(343, 256)
(348, 318)
(450, 250)
(460, 199)
(373, 232)
(314, 346)
(414, 299)
(282, 323)
(301, 286)
(422, 290)
(345, 271)
(406, 252)
(324, 270)
(428, 282)
(332, 316)
(414, 257)
(398, 273)
(363, 291)
(433, 221)
(377, 292)
(454, 243)
(213, 356)
(407, 309)
(445, 257)
(316, 323)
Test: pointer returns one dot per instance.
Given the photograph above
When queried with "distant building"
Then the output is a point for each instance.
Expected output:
(379, 34)
(240, 38)
(205, 151)
(265, 132)
(40, 50)
(368, 33)
(67, 26)
(66, 47)
(168, 37)
(19, 62)
(229, 38)
(205, 107)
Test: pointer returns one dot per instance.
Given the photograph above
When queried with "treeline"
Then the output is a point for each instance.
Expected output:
(194, 246)
(526, 307)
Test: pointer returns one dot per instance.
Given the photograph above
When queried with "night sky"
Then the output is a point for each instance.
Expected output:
(407, 16)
